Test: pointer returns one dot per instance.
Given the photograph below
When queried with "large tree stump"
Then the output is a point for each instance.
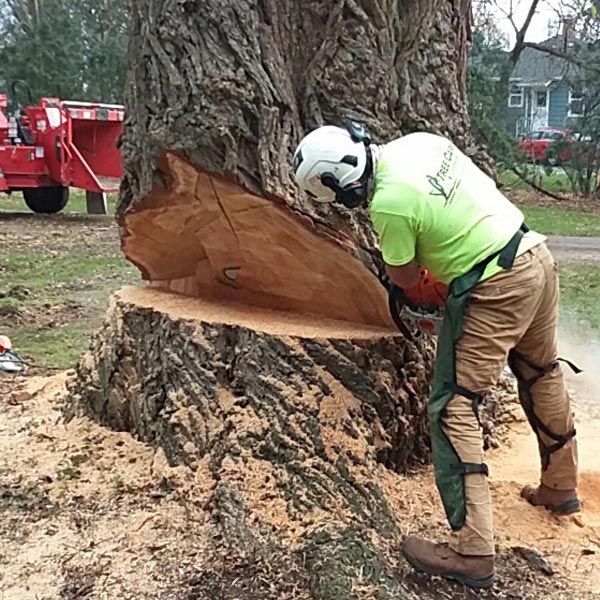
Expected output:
(290, 419)
(200, 377)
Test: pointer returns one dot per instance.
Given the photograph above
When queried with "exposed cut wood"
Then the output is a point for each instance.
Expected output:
(204, 236)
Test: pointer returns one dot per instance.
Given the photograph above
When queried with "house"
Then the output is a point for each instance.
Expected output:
(539, 91)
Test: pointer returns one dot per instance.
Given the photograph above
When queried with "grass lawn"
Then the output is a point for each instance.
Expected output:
(56, 348)
(15, 202)
(57, 301)
(580, 293)
(55, 277)
(556, 181)
(558, 221)
(57, 273)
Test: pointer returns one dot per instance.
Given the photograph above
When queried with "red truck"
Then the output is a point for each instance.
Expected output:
(549, 146)
(57, 144)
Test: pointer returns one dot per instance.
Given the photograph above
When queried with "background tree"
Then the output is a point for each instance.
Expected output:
(490, 67)
(66, 48)
(104, 33)
(583, 169)
(487, 96)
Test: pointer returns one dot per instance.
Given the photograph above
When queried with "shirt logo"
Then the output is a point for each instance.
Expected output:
(442, 183)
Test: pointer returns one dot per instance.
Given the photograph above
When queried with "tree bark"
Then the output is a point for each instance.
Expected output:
(278, 362)
(181, 372)
(233, 86)
(230, 88)
(287, 420)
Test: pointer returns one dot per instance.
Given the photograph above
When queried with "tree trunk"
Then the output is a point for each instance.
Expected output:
(202, 377)
(282, 367)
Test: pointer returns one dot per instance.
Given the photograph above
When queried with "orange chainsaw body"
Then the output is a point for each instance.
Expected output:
(428, 292)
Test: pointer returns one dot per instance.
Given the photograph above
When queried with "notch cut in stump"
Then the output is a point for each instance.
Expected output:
(202, 235)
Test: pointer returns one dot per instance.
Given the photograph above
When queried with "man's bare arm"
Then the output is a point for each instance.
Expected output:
(404, 276)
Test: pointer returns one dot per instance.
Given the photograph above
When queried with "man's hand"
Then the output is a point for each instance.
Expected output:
(404, 276)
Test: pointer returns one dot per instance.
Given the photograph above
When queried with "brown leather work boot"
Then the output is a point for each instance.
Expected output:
(439, 559)
(559, 502)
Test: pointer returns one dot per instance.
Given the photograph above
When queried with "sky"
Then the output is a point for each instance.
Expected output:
(538, 30)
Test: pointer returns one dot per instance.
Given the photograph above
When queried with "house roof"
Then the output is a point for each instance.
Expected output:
(536, 66)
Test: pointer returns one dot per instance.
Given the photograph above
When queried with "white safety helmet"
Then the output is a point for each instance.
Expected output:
(330, 161)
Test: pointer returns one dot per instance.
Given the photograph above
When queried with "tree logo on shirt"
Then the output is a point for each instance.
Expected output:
(441, 183)
(438, 189)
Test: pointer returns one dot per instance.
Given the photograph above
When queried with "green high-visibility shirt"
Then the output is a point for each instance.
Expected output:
(433, 205)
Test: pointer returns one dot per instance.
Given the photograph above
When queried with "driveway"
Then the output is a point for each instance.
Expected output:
(575, 249)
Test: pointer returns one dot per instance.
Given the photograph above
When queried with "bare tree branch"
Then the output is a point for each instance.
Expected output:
(562, 55)
(554, 52)
(508, 14)
(535, 186)
(521, 33)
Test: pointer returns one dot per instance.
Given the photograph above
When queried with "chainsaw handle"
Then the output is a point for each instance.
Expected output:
(383, 277)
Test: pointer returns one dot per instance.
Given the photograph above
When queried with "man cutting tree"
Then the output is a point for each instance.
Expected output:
(433, 209)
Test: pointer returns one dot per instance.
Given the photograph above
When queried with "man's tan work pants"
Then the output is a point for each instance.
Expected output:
(517, 308)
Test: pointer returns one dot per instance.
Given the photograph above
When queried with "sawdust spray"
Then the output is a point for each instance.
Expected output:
(581, 346)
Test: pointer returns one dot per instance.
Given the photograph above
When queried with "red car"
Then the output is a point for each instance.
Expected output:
(535, 146)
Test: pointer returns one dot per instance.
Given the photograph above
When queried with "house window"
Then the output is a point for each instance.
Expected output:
(540, 99)
(576, 106)
(515, 96)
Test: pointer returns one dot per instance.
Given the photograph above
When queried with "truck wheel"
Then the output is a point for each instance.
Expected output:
(46, 200)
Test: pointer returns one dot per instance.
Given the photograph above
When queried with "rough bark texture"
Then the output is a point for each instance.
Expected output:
(290, 424)
(199, 377)
(292, 420)
(232, 87)
(295, 432)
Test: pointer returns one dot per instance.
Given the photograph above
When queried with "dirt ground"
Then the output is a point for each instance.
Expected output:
(88, 513)
(91, 513)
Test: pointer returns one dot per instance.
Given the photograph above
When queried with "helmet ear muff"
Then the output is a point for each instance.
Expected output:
(351, 196)
(354, 194)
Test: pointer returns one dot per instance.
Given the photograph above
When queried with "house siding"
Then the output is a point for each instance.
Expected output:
(539, 70)
(559, 106)
(511, 116)
(515, 119)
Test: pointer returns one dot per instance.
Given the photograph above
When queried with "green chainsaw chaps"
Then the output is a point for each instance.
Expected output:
(448, 474)
(450, 471)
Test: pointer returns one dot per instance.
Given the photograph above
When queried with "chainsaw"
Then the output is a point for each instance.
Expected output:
(420, 307)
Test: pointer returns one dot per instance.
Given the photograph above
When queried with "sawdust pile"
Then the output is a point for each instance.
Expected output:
(92, 513)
